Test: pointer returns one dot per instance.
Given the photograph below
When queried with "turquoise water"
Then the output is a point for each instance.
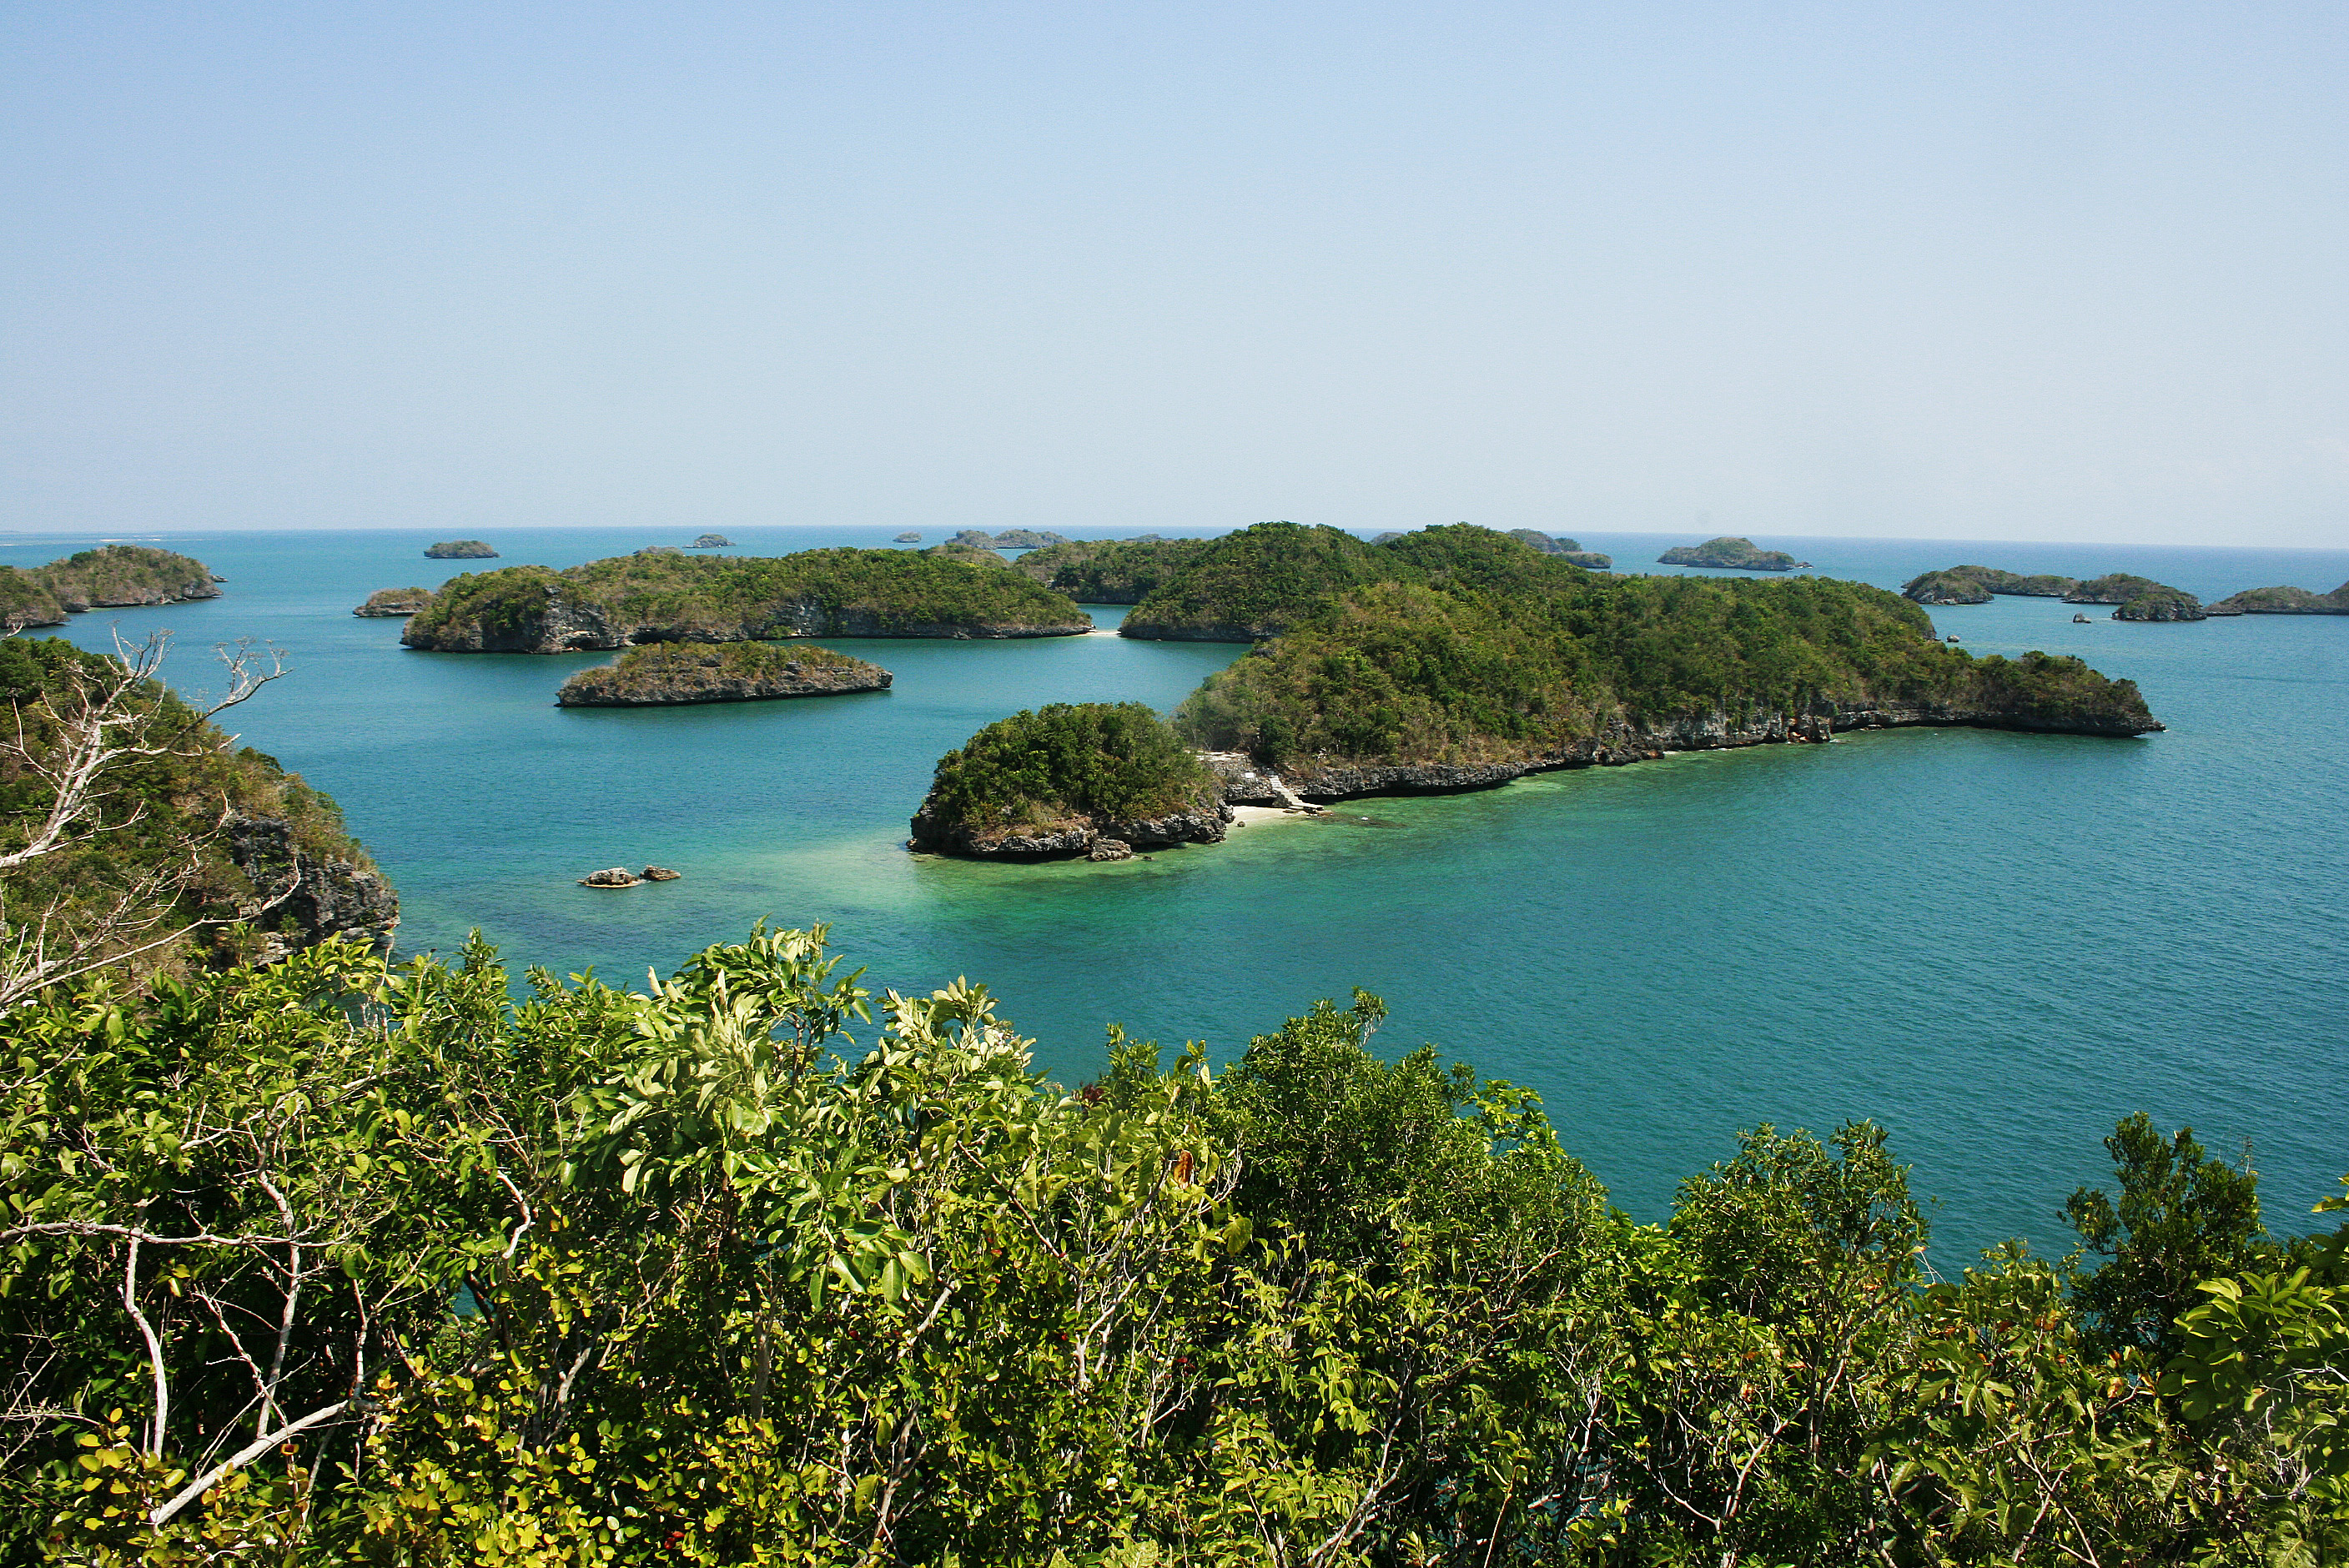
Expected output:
(1995, 945)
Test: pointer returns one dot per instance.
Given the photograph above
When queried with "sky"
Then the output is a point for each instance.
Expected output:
(2035, 271)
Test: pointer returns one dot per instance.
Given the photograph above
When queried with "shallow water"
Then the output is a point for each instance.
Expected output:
(1995, 945)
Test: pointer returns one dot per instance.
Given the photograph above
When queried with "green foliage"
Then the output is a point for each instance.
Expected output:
(125, 574)
(1110, 572)
(693, 1275)
(1492, 652)
(26, 601)
(1975, 584)
(1255, 582)
(700, 672)
(704, 598)
(2181, 1218)
(1066, 762)
(1730, 551)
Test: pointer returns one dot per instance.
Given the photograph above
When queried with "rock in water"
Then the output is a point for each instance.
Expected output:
(1731, 553)
(660, 873)
(909, 537)
(460, 550)
(617, 876)
(1110, 850)
(711, 542)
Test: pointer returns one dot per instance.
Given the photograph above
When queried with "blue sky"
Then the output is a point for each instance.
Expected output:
(2029, 272)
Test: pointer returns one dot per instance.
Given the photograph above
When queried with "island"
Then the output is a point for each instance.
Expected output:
(969, 554)
(111, 576)
(1566, 548)
(1009, 538)
(460, 550)
(909, 537)
(1110, 570)
(1732, 553)
(711, 542)
(1251, 584)
(664, 674)
(2139, 598)
(630, 599)
(388, 602)
(1975, 584)
(1097, 779)
(2283, 601)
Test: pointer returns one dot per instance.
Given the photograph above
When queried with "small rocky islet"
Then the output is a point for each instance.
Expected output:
(1731, 553)
(459, 549)
(669, 674)
(386, 603)
(2135, 598)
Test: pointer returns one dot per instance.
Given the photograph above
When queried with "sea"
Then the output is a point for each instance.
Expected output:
(1993, 944)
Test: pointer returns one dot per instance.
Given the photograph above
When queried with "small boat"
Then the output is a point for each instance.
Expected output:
(2082, 621)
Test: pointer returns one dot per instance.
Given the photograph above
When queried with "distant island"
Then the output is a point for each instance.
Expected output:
(664, 674)
(109, 577)
(2137, 598)
(460, 550)
(2283, 601)
(1009, 538)
(676, 598)
(1458, 658)
(711, 542)
(1547, 543)
(909, 537)
(1975, 584)
(1110, 570)
(1099, 779)
(388, 602)
(1730, 551)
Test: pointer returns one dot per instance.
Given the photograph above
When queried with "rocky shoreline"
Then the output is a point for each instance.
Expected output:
(329, 897)
(1624, 744)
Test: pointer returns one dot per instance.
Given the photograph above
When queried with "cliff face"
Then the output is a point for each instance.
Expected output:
(1623, 743)
(116, 575)
(322, 896)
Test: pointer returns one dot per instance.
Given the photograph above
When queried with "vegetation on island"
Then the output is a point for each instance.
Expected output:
(1975, 584)
(1253, 583)
(700, 598)
(1482, 653)
(1111, 570)
(344, 1260)
(391, 602)
(134, 833)
(969, 553)
(460, 550)
(2139, 598)
(2283, 601)
(1052, 779)
(108, 576)
(1732, 553)
(711, 542)
(668, 674)
(1564, 547)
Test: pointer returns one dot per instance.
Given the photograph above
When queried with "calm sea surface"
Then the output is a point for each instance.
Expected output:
(1995, 945)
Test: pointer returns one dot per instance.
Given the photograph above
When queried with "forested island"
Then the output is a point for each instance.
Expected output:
(1732, 553)
(1009, 538)
(1095, 779)
(1110, 570)
(2284, 600)
(2137, 598)
(631, 599)
(664, 674)
(110, 576)
(460, 550)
